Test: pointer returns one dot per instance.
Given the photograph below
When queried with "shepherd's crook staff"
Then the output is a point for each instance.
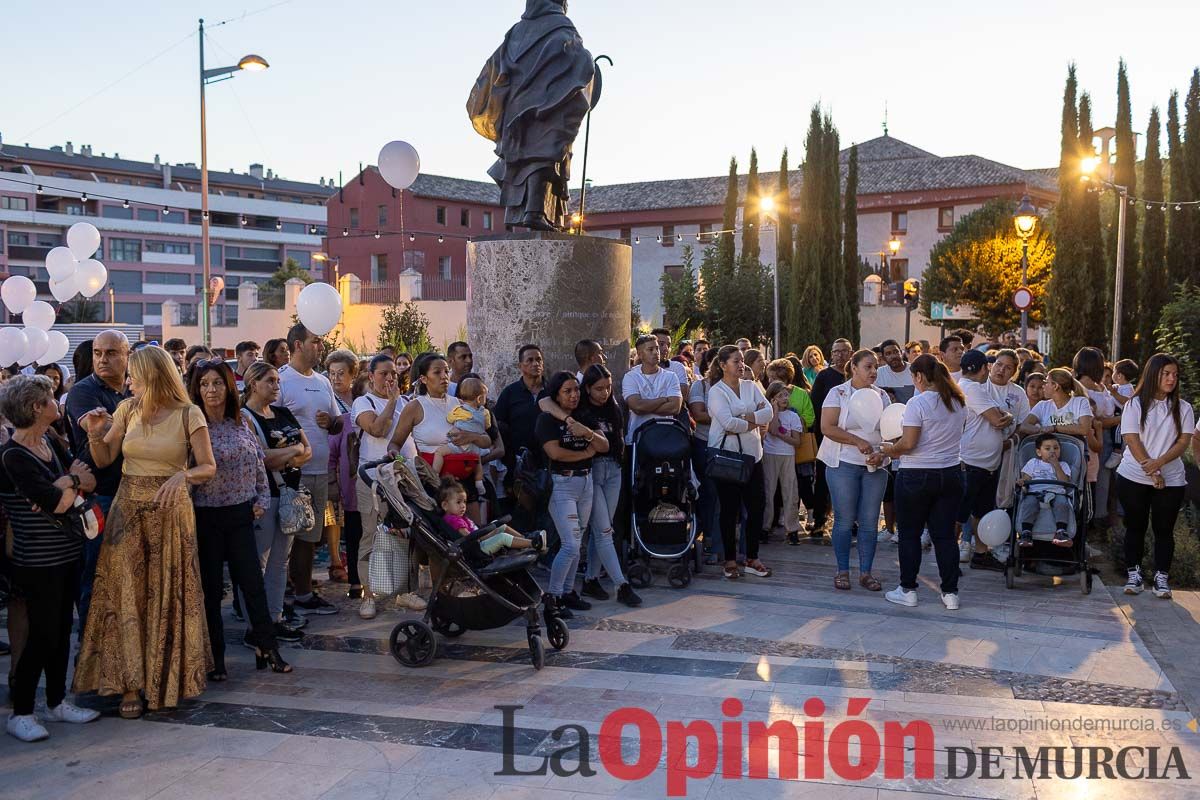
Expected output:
(587, 133)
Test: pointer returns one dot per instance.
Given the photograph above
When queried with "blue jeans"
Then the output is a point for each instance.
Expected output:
(570, 508)
(606, 493)
(930, 499)
(87, 568)
(857, 494)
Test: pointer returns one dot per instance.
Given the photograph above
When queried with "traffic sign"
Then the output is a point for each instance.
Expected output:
(942, 312)
(1022, 299)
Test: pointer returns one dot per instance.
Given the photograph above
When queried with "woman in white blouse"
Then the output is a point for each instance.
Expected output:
(852, 470)
(1065, 410)
(1157, 426)
(929, 485)
(738, 410)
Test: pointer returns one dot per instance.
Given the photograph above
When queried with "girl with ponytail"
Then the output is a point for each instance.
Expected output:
(1066, 408)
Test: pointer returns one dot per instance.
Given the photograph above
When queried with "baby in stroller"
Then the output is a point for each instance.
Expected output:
(452, 498)
(1045, 467)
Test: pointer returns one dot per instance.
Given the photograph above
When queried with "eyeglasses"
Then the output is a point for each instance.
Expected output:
(212, 362)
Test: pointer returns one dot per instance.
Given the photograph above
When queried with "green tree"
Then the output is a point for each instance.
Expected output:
(1070, 293)
(751, 212)
(405, 327)
(1178, 333)
(833, 295)
(1124, 174)
(681, 296)
(801, 311)
(725, 244)
(1153, 289)
(736, 302)
(978, 263)
(1095, 322)
(290, 269)
(80, 309)
(1191, 153)
(783, 208)
(635, 320)
(1179, 241)
(850, 242)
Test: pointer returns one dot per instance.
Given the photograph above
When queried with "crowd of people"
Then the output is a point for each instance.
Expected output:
(134, 483)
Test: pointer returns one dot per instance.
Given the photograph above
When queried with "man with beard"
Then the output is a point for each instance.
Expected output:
(893, 376)
(530, 99)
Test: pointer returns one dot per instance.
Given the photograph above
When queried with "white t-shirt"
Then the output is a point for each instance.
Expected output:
(956, 376)
(659, 384)
(725, 407)
(899, 382)
(373, 448)
(698, 393)
(1125, 389)
(1048, 414)
(941, 432)
(304, 396)
(1157, 435)
(1011, 398)
(679, 371)
(788, 421)
(982, 444)
(1105, 405)
(1039, 470)
(832, 453)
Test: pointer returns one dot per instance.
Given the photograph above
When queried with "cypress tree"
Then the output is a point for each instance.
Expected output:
(802, 311)
(1069, 295)
(1095, 324)
(783, 206)
(1191, 152)
(833, 296)
(850, 243)
(1179, 244)
(1124, 174)
(725, 245)
(752, 213)
(1153, 291)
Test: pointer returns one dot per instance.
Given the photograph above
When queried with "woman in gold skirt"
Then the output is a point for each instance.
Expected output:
(146, 632)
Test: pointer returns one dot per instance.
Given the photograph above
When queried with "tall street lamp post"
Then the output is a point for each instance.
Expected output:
(1087, 170)
(250, 63)
(1025, 221)
(767, 206)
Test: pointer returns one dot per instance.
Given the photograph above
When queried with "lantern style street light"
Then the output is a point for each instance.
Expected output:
(1025, 219)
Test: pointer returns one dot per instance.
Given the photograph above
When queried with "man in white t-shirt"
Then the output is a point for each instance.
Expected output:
(981, 452)
(950, 351)
(587, 353)
(893, 375)
(650, 392)
(309, 396)
(664, 354)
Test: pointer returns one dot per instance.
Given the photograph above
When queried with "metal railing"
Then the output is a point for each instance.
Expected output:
(428, 289)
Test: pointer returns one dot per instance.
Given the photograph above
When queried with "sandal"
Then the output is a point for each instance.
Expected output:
(131, 709)
(758, 569)
(868, 582)
(338, 574)
(842, 581)
(731, 573)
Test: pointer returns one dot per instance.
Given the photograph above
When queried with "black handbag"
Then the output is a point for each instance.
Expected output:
(532, 480)
(728, 466)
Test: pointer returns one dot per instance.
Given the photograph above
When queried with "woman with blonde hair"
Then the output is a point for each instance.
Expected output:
(1066, 408)
(814, 361)
(146, 631)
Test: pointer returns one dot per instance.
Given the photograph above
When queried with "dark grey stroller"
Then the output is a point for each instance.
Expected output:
(663, 512)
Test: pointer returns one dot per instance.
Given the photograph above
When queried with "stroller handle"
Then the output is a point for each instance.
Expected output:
(362, 471)
(1048, 482)
(486, 530)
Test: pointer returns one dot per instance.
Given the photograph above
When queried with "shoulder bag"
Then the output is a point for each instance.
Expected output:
(295, 505)
(729, 466)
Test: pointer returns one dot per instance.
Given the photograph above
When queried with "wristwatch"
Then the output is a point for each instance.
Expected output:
(75, 482)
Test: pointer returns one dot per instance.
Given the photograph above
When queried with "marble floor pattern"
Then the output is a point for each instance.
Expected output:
(351, 722)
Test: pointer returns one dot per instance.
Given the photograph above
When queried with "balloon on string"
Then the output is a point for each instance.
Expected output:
(37, 342)
(91, 277)
(891, 425)
(56, 348)
(399, 164)
(61, 263)
(65, 289)
(866, 407)
(17, 293)
(39, 314)
(12, 345)
(83, 239)
(994, 529)
(319, 307)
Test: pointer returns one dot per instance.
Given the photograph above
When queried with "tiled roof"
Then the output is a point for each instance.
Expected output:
(442, 188)
(885, 148)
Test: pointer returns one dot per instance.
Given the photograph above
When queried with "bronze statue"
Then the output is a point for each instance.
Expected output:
(530, 99)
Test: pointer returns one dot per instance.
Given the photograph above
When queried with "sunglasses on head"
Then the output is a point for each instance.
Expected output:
(211, 362)
(145, 345)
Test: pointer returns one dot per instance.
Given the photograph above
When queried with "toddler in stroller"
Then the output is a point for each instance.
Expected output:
(452, 498)
(1046, 466)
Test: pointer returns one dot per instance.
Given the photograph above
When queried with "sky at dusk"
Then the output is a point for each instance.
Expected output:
(693, 82)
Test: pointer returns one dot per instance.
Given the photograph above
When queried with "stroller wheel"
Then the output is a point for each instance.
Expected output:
(451, 630)
(558, 633)
(537, 652)
(679, 576)
(413, 644)
(1009, 580)
(640, 575)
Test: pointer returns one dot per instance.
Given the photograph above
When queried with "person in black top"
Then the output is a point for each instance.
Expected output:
(39, 483)
(517, 409)
(569, 447)
(831, 376)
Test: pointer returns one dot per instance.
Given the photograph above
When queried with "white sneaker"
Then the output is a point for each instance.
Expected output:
(367, 609)
(1161, 589)
(411, 601)
(902, 597)
(883, 537)
(950, 601)
(926, 541)
(893, 538)
(965, 549)
(26, 728)
(67, 711)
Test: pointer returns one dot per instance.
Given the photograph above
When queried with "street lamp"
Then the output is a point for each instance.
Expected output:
(325, 258)
(249, 63)
(766, 205)
(1087, 170)
(1025, 220)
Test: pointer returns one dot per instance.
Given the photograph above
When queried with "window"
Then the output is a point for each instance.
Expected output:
(18, 239)
(124, 249)
(188, 315)
(899, 222)
(49, 240)
(147, 214)
(214, 255)
(153, 309)
(125, 281)
(14, 203)
(181, 248)
(295, 227)
(414, 259)
(116, 212)
(354, 218)
(627, 235)
(441, 215)
(383, 216)
(487, 220)
(175, 217)
(706, 236)
(379, 267)
(169, 278)
(1, 241)
(898, 268)
(673, 271)
(301, 257)
(128, 313)
(224, 315)
(668, 236)
(445, 266)
(464, 218)
(946, 218)
(260, 253)
(73, 210)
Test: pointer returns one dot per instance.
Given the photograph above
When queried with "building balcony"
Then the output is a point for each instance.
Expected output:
(252, 265)
(181, 259)
(28, 252)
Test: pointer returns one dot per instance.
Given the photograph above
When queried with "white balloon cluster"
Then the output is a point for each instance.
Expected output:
(72, 269)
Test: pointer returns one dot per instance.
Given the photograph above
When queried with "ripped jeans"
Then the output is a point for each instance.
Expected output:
(606, 494)
(571, 510)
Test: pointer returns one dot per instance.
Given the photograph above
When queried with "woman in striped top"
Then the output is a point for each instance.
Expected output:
(38, 483)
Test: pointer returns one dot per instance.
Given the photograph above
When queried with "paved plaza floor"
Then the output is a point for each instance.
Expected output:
(1024, 667)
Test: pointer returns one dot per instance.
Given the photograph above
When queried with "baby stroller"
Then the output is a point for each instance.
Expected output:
(1074, 455)
(662, 507)
(471, 590)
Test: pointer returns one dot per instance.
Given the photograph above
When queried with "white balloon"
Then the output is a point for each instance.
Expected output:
(399, 164)
(61, 263)
(39, 314)
(890, 422)
(37, 342)
(866, 407)
(319, 307)
(12, 345)
(91, 277)
(18, 292)
(994, 528)
(57, 347)
(64, 290)
(83, 239)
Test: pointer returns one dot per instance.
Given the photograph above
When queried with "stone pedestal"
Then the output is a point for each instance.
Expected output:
(551, 290)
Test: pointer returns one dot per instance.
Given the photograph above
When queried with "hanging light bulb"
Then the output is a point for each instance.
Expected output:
(658, 239)
(39, 189)
(412, 237)
(345, 231)
(83, 197)
(441, 239)
(243, 220)
(312, 229)
(125, 204)
(278, 225)
(166, 209)
(1178, 207)
(376, 234)
(637, 240)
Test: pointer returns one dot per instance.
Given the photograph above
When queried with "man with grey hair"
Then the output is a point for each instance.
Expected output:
(104, 388)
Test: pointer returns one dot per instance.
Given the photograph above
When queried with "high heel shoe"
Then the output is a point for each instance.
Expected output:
(271, 658)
